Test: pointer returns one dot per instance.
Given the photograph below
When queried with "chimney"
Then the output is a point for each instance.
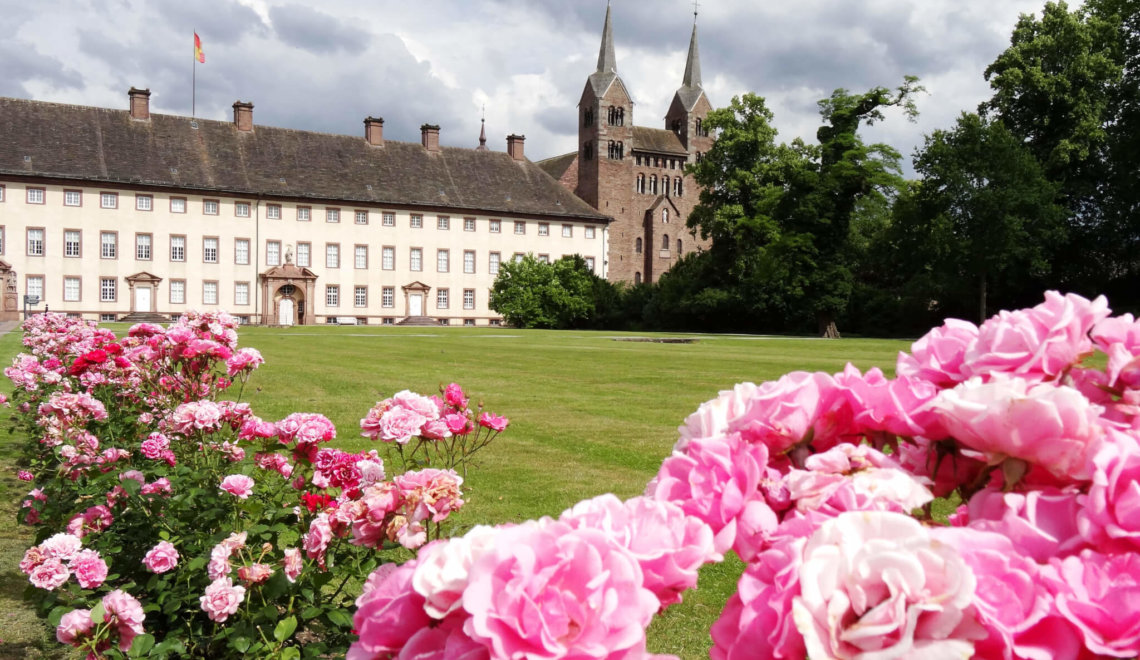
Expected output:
(140, 103)
(243, 115)
(429, 135)
(374, 131)
(515, 146)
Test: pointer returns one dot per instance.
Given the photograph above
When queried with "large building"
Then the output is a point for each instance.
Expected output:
(636, 174)
(113, 214)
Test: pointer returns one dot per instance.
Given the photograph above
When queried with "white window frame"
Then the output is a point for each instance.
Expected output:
(144, 245)
(72, 248)
(469, 261)
(332, 215)
(332, 295)
(108, 200)
(178, 248)
(544, 229)
(241, 251)
(70, 295)
(360, 296)
(241, 209)
(388, 297)
(416, 221)
(360, 257)
(332, 255)
(144, 202)
(108, 249)
(468, 224)
(589, 232)
(469, 299)
(416, 259)
(73, 198)
(388, 219)
(177, 204)
(443, 261)
(387, 258)
(177, 292)
(360, 217)
(567, 231)
(241, 293)
(210, 293)
(210, 250)
(305, 249)
(442, 298)
(520, 227)
(210, 206)
(273, 253)
(272, 211)
(108, 289)
(494, 260)
(443, 223)
(36, 195)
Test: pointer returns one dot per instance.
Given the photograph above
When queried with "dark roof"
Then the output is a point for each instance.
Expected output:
(556, 166)
(657, 140)
(101, 145)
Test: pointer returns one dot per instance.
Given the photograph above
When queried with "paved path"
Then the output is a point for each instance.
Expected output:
(8, 326)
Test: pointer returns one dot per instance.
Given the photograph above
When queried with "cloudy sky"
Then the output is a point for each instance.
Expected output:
(326, 65)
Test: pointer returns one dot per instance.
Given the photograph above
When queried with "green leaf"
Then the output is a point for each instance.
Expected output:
(240, 644)
(290, 653)
(285, 629)
(340, 618)
(97, 612)
(141, 646)
(311, 613)
(57, 613)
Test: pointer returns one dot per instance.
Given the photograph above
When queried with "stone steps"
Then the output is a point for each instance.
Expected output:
(418, 321)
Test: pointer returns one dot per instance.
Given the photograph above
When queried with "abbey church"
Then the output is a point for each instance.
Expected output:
(635, 174)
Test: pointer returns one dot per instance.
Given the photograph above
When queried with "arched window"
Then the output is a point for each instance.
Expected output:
(665, 185)
(678, 247)
(665, 241)
(637, 277)
(616, 116)
(637, 246)
(640, 187)
(653, 184)
(588, 117)
(665, 216)
(617, 150)
(677, 187)
(676, 126)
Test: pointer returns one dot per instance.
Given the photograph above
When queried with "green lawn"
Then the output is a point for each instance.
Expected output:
(589, 414)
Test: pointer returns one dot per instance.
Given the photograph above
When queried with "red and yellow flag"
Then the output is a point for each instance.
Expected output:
(198, 54)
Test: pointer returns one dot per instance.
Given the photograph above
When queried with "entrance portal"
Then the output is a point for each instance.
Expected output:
(416, 304)
(285, 312)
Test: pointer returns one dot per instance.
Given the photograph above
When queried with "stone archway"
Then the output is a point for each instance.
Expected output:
(10, 305)
(290, 283)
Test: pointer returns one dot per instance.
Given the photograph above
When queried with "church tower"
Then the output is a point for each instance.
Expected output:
(690, 106)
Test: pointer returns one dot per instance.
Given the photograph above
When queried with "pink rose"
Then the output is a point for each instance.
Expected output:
(1039, 343)
(895, 406)
(669, 546)
(416, 403)
(61, 546)
(238, 485)
(937, 356)
(757, 620)
(1101, 597)
(443, 568)
(74, 627)
(161, 558)
(1054, 427)
(125, 613)
(292, 563)
(24, 475)
(1040, 524)
(221, 599)
(318, 537)
(798, 408)
(494, 422)
(854, 478)
(868, 578)
(1111, 511)
(458, 424)
(388, 613)
(454, 396)
(400, 425)
(154, 446)
(255, 573)
(526, 595)
(89, 568)
(50, 574)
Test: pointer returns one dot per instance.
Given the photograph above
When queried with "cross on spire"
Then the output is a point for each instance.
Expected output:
(696, 6)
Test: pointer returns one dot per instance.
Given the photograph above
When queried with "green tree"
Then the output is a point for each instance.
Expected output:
(533, 294)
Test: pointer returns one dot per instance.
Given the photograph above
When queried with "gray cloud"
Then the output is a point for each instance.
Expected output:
(316, 31)
(21, 62)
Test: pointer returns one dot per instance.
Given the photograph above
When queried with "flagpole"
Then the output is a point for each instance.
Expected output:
(194, 79)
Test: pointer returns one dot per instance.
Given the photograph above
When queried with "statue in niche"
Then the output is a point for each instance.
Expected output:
(289, 253)
(10, 282)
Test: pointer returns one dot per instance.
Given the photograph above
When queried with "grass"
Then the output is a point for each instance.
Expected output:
(589, 414)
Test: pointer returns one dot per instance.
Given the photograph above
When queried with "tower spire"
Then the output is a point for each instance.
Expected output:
(607, 61)
(693, 62)
(483, 131)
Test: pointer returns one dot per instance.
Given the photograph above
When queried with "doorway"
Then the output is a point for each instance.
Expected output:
(285, 312)
(415, 304)
(142, 299)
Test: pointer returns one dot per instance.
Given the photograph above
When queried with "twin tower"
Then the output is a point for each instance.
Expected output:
(634, 173)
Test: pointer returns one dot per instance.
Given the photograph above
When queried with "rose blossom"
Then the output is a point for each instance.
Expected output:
(757, 620)
(400, 425)
(388, 614)
(454, 396)
(49, 574)
(254, 573)
(443, 567)
(876, 583)
(293, 563)
(1040, 524)
(238, 485)
(496, 423)
(125, 613)
(74, 627)
(548, 590)
(24, 475)
(221, 599)
(62, 546)
(161, 558)
(937, 356)
(1111, 510)
(1101, 598)
(154, 446)
(89, 568)
(416, 403)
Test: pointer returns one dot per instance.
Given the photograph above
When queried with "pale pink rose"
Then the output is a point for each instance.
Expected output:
(1038, 343)
(799, 408)
(1111, 510)
(89, 568)
(125, 613)
(243, 360)
(400, 425)
(526, 594)
(757, 620)
(443, 567)
(160, 486)
(254, 573)
(713, 417)
(61, 546)
(388, 613)
(436, 429)
(33, 556)
(49, 574)
(74, 627)
(416, 403)
(238, 485)
(1040, 524)
(218, 567)
(854, 478)
(937, 357)
(496, 423)
(718, 481)
(293, 563)
(430, 493)
(133, 475)
(161, 558)
(318, 537)
(1119, 337)
(371, 471)
(1101, 597)
(221, 599)
(895, 406)
(234, 542)
(669, 546)
(1054, 427)
(868, 578)
(1014, 599)
(194, 416)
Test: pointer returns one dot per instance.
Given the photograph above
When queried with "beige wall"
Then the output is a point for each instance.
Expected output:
(54, 217)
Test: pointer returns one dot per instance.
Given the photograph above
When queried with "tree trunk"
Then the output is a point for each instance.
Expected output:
(982, 298)
(827, 328)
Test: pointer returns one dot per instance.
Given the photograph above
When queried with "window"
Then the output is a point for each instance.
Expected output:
(36, 242)
(304, 250)
(567, 231)
(177, 204)
(442, 261)
(273, 253)
(178, 248)
(493, 263)
(415, 259)
(589, 232)
(653, 184)
(332, 215)
(389, 219)
(332, 295)
(441, 296)
(360, 257)
(144, 202)
(587, 150)
(616, 116)
(71, 289)
(637, 278)
(443, 223)
(73, 198)
(416, 221)
(273, 211)
(468, 321)
(468, 224)
(588, 117)
(518, 257)
(178, 292)
(677, 190)
(544, 258)
(109, 245)
(388, 296)
(241, 209)
(35, 285)
(468, 261)
(360, 296)
(665, 241)
(1, 240)
(72, 243)
(665, 186)
(108, 289)
(616, 150)
(241, 251)
(388, 258)
(543, 229)
(241, 293)
(1, 193)
(35, 195)
(640, 185)
(361, 217)
(210, 206)
(143, 244)
(494, 226)
(469, 299)
(332, 255)
(678, 247)
(210, 250)
(637, 246)
(520, 227)
(590, 263)
(304, 214)
(209, 293)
